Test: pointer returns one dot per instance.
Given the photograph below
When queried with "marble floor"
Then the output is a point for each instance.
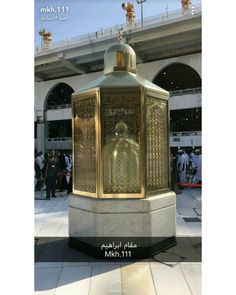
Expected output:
(95, 278)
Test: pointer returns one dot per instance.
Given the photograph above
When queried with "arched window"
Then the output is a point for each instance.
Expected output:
(177, 76)
(59, 97)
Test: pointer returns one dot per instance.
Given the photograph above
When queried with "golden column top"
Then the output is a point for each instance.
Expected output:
(130, 14)
(46, 38)
(185, 4)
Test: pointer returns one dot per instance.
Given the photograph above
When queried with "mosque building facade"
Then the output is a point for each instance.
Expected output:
(168, 54)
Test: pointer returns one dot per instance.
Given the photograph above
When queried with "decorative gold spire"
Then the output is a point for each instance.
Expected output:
(119, 31)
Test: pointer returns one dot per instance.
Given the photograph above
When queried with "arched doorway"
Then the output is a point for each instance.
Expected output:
(58, 129)
(59, 97)
(183, 82)
(177, 76)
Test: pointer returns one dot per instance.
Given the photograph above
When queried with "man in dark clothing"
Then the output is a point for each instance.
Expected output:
(174, 174)
(69, 189)
(62, 175)
(51, 173)
(39, 165)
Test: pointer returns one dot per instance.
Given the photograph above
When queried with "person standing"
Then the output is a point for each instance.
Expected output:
(174, 174)
(190, 159)
(46, 155)
(51, 173)
(69, 179)
(62, 175)
(198, 165)
(39, 165)
(181, 168)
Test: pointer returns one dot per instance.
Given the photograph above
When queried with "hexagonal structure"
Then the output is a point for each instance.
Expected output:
(121, 152)
(120, 132)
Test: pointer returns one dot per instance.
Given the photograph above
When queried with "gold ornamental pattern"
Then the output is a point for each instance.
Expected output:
(157, 145)
(121, 140)
(84, 145)
(117, 107)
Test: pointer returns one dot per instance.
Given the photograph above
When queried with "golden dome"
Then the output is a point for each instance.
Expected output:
(119, 57)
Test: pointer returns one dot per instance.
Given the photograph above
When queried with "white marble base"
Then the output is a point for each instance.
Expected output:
(149, 217)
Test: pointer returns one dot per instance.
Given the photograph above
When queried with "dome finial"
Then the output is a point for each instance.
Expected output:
(119, 31)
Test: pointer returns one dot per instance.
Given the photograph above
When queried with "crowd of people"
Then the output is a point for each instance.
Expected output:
(53, 171)
(186, 169)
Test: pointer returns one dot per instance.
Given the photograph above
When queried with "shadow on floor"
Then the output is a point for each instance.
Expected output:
(53, 251)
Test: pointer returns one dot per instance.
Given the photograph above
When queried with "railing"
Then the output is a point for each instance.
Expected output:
(186, 91)
(58, 107)
(172, 134)
(59, 139)
(185, 133)
(157, 19)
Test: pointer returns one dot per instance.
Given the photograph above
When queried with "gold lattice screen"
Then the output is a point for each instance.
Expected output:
(84, 144)
(157, 145)
(121, 141)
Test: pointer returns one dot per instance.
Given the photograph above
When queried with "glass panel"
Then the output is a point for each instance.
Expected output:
(157, 145)
(120, 57)
(121, 142)
(84, 145)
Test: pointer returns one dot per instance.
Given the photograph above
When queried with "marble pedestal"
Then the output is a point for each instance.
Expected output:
(152, 218)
